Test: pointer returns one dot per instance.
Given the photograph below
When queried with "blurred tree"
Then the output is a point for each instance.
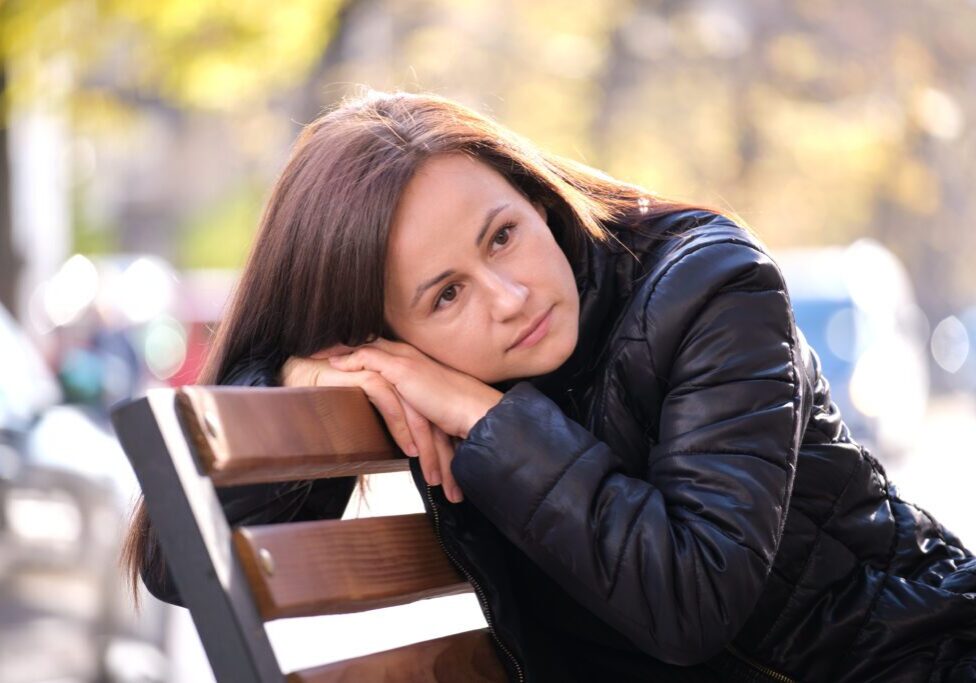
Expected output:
(9, 258)
(121, 57)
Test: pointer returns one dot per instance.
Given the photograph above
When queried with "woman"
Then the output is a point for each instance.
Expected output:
(623, 440)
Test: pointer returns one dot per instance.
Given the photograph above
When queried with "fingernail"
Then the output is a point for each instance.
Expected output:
(435, 478)
(458, 496)
(411, 450)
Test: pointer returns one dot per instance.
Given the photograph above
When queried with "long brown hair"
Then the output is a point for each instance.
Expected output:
(315, 273)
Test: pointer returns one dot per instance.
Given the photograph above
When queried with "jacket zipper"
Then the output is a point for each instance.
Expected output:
(477, 588)
(775, 675)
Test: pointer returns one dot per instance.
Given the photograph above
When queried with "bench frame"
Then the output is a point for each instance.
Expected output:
(182, 503)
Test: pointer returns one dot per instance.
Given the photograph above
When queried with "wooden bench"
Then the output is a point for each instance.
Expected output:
(184, 443)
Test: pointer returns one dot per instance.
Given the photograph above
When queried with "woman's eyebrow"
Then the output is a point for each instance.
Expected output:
(489, 217)
(427, 284)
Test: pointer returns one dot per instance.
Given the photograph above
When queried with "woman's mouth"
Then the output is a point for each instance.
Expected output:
(536, 333)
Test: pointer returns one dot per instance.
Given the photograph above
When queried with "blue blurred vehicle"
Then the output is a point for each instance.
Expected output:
(856, 307)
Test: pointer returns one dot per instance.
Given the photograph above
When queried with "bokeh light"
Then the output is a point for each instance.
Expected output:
(950, 344)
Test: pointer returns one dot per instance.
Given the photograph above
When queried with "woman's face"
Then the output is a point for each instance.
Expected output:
(471, 266)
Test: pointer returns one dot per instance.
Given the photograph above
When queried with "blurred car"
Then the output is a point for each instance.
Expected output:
(856, 307)
(962, 350)
(65, 487)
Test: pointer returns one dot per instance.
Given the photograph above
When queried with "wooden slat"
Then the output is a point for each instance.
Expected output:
(342, 566)
(465, 657)
(246, 435)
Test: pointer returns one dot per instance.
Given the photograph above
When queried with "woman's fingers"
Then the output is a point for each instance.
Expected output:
(445, 454)
(429, 442)
(422, 431)
(393, 367)
(412, 431)
(334, 350)
(409, 429)
(394, 348)
(385, 399)
(397, 348)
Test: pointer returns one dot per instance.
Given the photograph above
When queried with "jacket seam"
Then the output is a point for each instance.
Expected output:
(724, 451)
(699, 588)
(796, 400)
(856, 640)
(549, 489)
(892, 549)
(750, 290)
(790, 601)
(764, 409)
(623, 546)
(694, 386)
(796, 437)
(766, 563)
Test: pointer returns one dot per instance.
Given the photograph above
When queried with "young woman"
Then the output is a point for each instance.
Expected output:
(622, 438)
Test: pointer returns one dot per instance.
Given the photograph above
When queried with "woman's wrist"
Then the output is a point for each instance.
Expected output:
(480, 407)
(298, 372)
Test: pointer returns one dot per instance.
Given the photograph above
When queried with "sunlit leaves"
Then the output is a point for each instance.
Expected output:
(217, 55)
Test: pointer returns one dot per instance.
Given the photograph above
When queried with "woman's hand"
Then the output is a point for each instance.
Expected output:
(413, 433)
(450, 399)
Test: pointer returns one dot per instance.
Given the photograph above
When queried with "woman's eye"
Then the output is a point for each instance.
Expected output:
(441, 297)
(505, 229)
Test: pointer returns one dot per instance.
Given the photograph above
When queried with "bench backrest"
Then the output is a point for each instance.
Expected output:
(184, 443)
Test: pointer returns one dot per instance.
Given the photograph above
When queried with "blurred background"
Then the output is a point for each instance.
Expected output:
(138, 141)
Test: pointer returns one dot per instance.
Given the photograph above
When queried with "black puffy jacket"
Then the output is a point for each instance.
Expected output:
(680, 500)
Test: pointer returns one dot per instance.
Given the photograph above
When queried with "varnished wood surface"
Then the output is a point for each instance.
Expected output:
(342, 566)
(467, 657)
(236, 435)
(245, 435)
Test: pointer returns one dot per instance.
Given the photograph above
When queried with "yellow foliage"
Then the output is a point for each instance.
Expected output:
(218, 54)
(795, 56)
(914, 186)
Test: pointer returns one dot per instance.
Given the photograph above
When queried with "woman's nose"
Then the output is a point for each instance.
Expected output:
(508, 297)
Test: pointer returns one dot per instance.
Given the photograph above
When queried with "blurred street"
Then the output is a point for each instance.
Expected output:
(939, 472)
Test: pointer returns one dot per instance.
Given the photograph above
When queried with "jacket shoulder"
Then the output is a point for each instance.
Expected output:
(252, 372)
(710, 255)
(714, 282)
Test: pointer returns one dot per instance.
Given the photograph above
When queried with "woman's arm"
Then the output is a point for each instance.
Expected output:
(675, 560)
(256, 503)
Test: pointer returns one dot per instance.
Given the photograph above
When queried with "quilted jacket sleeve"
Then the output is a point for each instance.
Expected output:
(257, 503)
(674, 560)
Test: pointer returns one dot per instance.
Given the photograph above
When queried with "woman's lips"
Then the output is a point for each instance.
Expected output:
(537, 333)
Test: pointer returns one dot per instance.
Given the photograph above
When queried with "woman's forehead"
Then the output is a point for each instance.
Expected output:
(449, 182)
(447, 200)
